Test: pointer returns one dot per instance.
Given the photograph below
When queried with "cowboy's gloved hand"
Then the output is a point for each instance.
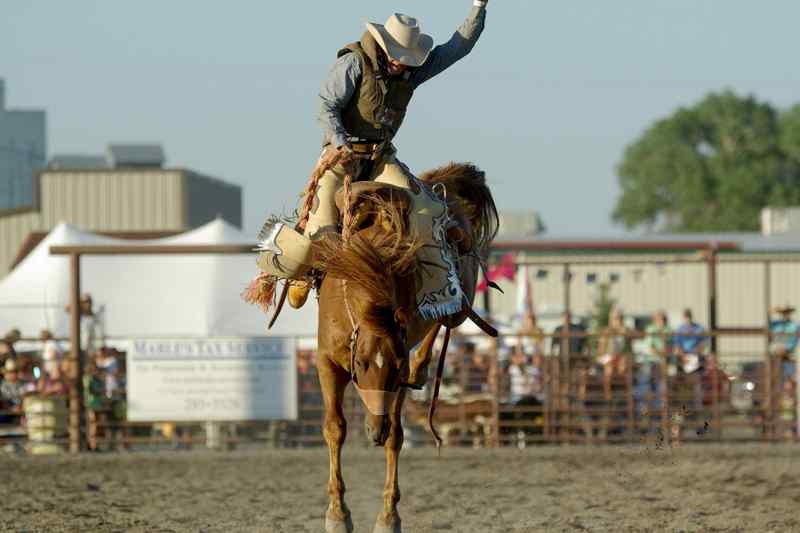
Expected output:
(345, 153)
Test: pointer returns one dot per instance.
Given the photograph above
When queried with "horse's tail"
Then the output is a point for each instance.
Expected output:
(467, 183)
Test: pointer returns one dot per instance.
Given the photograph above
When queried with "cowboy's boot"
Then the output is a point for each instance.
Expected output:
(298, 293)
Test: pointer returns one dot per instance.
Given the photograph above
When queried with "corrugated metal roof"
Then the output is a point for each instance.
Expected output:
(122, 155)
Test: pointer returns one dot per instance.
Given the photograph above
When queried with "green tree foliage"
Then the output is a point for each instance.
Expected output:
(711, 167)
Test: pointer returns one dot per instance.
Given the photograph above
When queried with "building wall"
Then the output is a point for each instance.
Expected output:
(209, 198)
(119, 200)
(645, 288)
(113, 200)
(23, 150)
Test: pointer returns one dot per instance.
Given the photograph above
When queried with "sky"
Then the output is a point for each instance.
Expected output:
(545, 104)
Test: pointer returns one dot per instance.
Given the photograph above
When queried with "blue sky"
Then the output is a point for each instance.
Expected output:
(546, 102)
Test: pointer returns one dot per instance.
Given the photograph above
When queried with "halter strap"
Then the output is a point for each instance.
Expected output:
(377, 402)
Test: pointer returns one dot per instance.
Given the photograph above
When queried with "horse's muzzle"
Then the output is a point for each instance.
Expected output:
(377, 402)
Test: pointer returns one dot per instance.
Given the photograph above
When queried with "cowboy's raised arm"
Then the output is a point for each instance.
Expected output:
(459, 45)
(336, 92)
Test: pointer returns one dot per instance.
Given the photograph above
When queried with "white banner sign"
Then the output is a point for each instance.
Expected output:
(225, 379)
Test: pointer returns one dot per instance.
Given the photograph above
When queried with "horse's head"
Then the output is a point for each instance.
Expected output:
(375, 269)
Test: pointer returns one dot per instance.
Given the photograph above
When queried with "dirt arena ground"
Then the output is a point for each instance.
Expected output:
(693, 488)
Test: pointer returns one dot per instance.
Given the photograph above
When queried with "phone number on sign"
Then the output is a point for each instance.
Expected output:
(211, 404)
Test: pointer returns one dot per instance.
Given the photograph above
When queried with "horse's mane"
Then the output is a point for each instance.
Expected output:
(467, 183)
(370, 262)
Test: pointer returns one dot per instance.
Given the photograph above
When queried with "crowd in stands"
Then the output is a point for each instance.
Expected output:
(48, 372)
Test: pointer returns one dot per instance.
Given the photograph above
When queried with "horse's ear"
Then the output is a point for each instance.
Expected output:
(401, 316)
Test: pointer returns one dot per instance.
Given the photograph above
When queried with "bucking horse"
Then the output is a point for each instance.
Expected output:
(379, 297)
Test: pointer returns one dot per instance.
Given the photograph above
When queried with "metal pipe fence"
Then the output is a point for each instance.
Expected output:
(496, 397)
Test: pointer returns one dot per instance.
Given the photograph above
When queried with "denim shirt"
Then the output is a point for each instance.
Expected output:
(340, 86)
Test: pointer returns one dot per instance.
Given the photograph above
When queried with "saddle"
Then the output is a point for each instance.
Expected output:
(444, 234)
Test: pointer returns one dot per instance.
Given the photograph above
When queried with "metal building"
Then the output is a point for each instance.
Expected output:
(134, 200)
(23, 151)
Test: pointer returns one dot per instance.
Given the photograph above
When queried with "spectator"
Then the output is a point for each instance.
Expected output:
(13, 389)
(576, 341)
(657, 346)
(689, 343)
(53, 382)
(479, 369)
(783, 340)
(108, 365)
(92, 335)
(531, 336)
(523, 378)
(614, 349)
(7, 345)
(51, 352)
(93, 391)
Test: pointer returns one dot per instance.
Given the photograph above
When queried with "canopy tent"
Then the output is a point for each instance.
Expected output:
(141, 296)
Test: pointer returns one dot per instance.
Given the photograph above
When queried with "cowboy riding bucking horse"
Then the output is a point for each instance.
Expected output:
(393, 257)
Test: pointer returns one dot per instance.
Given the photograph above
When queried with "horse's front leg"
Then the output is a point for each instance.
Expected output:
(333, 382)
(389, 520)
(418, 369)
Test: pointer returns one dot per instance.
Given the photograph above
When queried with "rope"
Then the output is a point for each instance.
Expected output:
(347, 216)
(439, 371)
(327, 160)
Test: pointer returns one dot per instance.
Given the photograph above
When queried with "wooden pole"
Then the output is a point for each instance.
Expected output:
(712, 294)
(76, 437)
(768, 381)
(566, 355)
(663, 391)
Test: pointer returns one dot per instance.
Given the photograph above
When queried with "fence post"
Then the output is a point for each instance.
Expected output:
(76, 436)
(629, 397)
(496, 398)
(566, 355)
(715, 404)
(663, 392)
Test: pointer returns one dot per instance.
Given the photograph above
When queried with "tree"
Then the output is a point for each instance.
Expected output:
(711, 167)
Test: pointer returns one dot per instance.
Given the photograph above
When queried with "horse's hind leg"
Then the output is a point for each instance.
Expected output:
(333, 382)
(389, 520)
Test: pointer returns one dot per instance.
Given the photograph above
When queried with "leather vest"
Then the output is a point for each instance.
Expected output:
(379, 104)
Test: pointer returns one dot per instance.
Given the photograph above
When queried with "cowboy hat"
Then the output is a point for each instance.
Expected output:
(783, 309)
(10, 365)
(402, 40)
(12, 336)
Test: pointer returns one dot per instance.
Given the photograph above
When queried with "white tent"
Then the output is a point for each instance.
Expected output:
(146, 295)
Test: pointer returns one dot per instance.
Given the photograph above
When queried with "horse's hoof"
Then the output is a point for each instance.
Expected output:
(337, 526)
(381, 527)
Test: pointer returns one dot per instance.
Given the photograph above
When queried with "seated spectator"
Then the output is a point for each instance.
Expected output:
(13, 389)
(53, 382)
(689, 342)
(524, 379)
(783, 340)
(479, 369)
(614, 349)
(531, 336)
(574, 339)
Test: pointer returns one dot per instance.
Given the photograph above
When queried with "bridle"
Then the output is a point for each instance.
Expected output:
(378, 402)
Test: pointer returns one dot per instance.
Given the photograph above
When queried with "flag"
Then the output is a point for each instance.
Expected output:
(505, 269)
